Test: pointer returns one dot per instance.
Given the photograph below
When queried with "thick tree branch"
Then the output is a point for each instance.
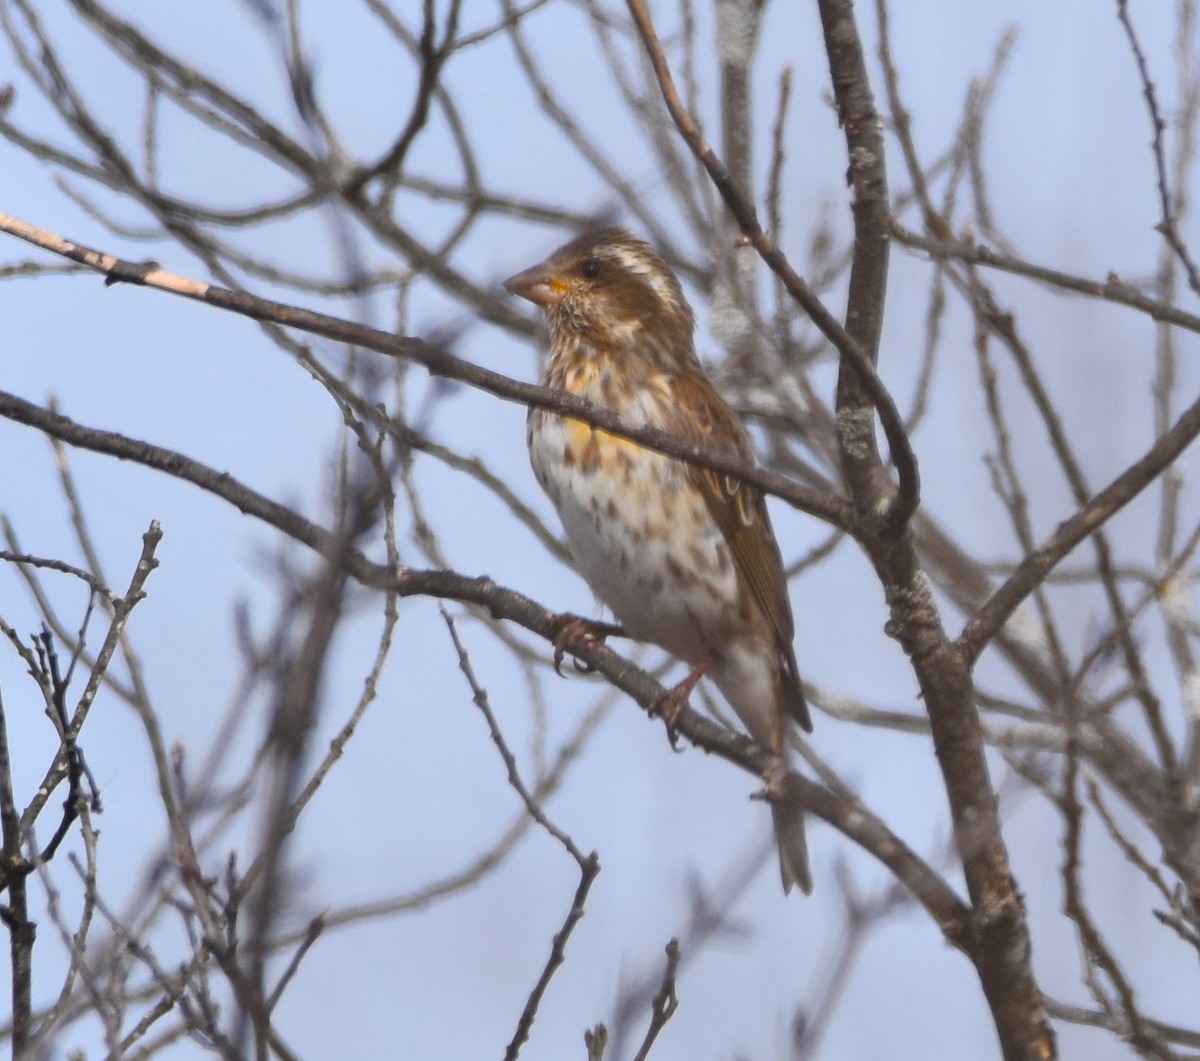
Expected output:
(867, 177)
(999, 945)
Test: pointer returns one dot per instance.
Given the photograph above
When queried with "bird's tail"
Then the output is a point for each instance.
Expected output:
(765, 693)
(793, 847)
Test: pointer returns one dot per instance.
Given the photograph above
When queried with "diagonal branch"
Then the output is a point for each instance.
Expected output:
(437, 361)
(1111, 289)
(849, 816)
(1106, 504)
(743, 211)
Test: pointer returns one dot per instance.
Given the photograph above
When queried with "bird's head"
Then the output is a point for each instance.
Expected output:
(609, 290)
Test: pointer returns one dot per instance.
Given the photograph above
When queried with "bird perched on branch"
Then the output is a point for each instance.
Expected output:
(683, 556)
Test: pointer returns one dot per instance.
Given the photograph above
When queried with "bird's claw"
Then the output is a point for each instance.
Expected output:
(577, 630)
(668, 706)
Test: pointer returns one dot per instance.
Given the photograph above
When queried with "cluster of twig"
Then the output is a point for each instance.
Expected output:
(1070, 741)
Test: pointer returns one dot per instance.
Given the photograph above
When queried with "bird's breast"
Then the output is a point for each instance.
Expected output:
(639, 529)
(612, 384)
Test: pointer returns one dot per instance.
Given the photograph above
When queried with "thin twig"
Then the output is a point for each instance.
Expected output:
(1168, 224)
(665, 1003)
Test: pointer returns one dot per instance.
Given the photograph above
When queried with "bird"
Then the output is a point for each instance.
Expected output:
(683, 556)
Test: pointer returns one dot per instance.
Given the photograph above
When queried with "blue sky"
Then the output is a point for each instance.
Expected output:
(421, 789)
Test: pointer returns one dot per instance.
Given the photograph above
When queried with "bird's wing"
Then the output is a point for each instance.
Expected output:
(740, 512)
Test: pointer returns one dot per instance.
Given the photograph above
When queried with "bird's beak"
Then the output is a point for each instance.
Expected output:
(542, 286)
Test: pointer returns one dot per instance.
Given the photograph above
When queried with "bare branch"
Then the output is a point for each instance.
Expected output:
(433, 358)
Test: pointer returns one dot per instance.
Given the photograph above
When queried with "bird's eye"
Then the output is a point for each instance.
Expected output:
(590, 269)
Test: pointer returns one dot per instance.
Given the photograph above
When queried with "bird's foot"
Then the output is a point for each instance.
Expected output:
(668, 705)
(576, 630)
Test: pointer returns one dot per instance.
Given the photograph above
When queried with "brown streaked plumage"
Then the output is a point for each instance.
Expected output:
(683, 556)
